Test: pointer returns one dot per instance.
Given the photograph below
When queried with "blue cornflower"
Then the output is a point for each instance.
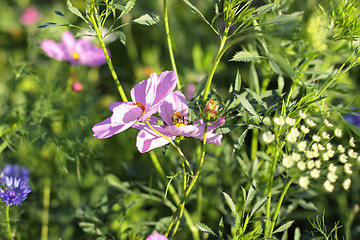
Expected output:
(14, 191)
(13, 170)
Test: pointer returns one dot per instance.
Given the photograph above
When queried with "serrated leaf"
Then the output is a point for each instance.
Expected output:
(258, 205)
(256, 97)
(248, 107)
(202, 227)
(147, 19)
(239, 142)
(244, 56)
(74, 10)
(230, 203)
(125, 9)
(251, 194)
(121, 36)
(284, 227)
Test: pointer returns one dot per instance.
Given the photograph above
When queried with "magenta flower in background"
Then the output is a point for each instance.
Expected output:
(146, 97)
(190, 90)
(77, 86)
(14, 191)
(173, 111)
(77, 52)
(29, 16)
(156, 236)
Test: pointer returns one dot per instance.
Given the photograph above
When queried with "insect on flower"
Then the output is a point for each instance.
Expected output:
(178, 119)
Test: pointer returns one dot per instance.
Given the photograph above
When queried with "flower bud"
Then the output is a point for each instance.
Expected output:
(77, 86)
(211, 111)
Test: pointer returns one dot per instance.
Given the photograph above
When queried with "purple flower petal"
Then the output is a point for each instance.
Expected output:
(53, 50)
(105, 130)
(149, 140)
(174, 102)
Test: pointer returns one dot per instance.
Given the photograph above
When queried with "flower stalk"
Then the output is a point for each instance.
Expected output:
(108, 59)
(7, 210)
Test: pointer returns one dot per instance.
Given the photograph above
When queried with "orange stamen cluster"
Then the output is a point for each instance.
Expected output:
(76, 56)
(139, 104)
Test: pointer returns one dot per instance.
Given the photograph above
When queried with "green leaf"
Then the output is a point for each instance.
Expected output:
(248, 107)
(59, 13)
(147, 19)
(121, 36)
(230, 203)
(125, 8)
(239, 142)
(251, 194)
(221, 227)
(258, 205)
(202, 227)
(89, 227)
(74, 10)
(244, 56)
(284, 227)
(256, 97)
(281, 65)
(237, 84)
(51, 24)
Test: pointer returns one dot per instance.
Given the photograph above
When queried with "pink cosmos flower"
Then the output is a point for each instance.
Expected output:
(77, 52)
(29, 16)
(146, 97)
(156, 236)
(77, 86)
(173, 111)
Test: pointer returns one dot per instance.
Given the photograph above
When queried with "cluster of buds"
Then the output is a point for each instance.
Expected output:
(211, 111)
(313, 150)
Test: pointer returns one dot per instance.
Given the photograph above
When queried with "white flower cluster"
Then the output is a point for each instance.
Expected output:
(311, 151)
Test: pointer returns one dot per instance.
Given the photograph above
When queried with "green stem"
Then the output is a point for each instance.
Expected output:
(8, 221)
(214, 66)
(273, 221)
(45, 212)
(168, 38)
(107, 57)
(194, 230)
(188, 190)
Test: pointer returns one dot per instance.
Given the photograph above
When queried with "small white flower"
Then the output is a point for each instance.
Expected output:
(302, 146)
(352, 142)
(304, 182)
(332, 177)
(341, 148)
(346, 184)
(316, 138)
(279, 121)
(302, 114)
(327, 123)
(293, 135)
(338, 132)
(287, 161)
(304, 129)
(347, 168)
(328, 146)
(268, 137)
(352, 153)
(310, 122)
(332, 168)
(315, 173)
(310, 164)
(309, 154)
(326, 156)
(331, 153)
(328, 186)
(325, 135)
(317, 163)
(301, 165)
(290, 121)
(320, 147)
(295, 156)
(314, 147)
(343, 158)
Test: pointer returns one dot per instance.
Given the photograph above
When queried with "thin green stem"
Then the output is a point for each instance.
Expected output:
(7, 212)
(168, 38)
(282, 196)
(107, 57)
(194, 230)
(190, 187)
(183, 158)
(45, 212)
(214, 66)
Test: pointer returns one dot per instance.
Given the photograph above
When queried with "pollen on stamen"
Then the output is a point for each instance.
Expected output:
(139, 104)
(76, 56)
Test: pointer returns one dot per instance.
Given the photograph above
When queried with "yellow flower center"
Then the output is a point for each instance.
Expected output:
(178, 119)
(75, 55)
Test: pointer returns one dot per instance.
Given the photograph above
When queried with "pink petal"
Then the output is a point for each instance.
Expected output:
(144, 91)
(125, 114)
(174, 102)
(185, 130)
(53, 50)
(165, 84)
(69, 41)
(89, 54)
(148, 140)
(105, 130)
